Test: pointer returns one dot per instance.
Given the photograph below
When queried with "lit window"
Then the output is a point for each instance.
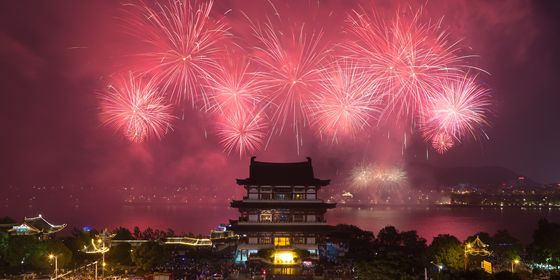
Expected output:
(281, 241)
(299, 240)
(265, 240)
(267, 217)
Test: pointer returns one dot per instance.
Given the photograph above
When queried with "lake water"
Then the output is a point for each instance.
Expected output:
(200, 219)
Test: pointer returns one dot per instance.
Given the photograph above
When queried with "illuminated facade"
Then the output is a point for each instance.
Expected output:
(280, 212)
(36, 226)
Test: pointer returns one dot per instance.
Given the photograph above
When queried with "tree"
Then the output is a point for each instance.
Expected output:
(120, 254)
(149, 255)
(19, 250)
(7, 220)
(148, 234)
(4, 241)
(388, 237)
(545, 247)
(40, 256)
(412, 243)
(122, 234)
(447, 249)
(137, 233)
(360, 242)
(396, 256)
(506, 247)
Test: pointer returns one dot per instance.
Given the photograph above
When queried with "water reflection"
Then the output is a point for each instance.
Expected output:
(201, 218)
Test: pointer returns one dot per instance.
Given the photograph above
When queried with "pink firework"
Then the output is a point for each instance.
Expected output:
(234, 87)
(442, 142)
(347, 102)
(292, 63)
(241, 131)
(408, 58)
(459, 108)
(183, 41)
(135, 108)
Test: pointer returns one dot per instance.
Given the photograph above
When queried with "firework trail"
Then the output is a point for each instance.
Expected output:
(183, 41)
(347, 101)
(241, 131)
(292, 63)
(442, 142)
(234, 87)
(458, 109)
(135, 108)
(408, 58)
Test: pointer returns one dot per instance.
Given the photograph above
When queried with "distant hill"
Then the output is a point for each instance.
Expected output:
(421, 174)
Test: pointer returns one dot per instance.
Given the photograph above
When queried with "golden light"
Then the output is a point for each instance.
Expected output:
(516, 261)
(469, 246)
(104, 264)
(51, 256)
(284, 257)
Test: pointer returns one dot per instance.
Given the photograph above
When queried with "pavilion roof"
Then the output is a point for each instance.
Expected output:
(282, 174)
(36, 225)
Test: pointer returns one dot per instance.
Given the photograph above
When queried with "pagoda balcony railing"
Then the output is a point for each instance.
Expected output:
(283, 223)
(246, 198)
(246, 221)
(289, 220)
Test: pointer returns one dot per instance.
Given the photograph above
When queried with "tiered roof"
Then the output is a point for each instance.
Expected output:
(281, 174)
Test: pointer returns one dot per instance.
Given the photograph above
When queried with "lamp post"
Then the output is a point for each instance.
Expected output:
(467, 248)
(513, 264)
(102, 244)
(52, 256)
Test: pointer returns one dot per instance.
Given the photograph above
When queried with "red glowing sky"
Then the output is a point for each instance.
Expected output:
(56, 55)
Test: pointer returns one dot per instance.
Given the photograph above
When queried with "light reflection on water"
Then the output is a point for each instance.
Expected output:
(200, 219)
(460, 221)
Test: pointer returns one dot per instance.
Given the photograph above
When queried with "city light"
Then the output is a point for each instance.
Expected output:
(284, 257)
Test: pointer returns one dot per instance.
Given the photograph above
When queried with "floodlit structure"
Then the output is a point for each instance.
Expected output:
(36, 226)
(281, 213)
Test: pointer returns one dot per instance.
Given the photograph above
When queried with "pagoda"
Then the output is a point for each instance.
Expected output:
(36, 226)
(281, 217)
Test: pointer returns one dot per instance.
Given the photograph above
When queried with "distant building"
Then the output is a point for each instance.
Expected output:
(281, 218)
(36, 226)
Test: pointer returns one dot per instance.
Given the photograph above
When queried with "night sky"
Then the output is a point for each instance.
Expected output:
(57, 55)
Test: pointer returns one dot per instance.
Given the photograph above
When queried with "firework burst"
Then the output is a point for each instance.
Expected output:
(442, 142)
(234, 87)
(135, 108)
(241, 131)
(458, 109)
(408, 58)
(361, 176)
(347, 102)
(379, 177)
(292, 64)
(183, 41)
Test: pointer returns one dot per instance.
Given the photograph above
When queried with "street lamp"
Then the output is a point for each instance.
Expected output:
(468, 247)
(439, 266)
(52, 256)
(513, 264)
